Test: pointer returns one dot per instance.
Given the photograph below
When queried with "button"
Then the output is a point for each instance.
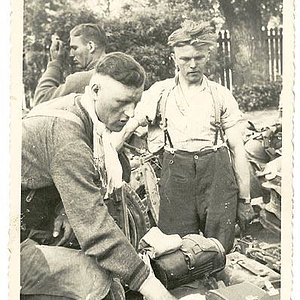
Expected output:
(196, 156)
(30, 196)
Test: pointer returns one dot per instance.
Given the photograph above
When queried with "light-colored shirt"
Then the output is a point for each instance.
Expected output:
(190, 121)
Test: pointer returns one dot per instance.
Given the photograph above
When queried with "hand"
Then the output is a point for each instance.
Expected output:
(118, 138)
(57, 49)
(61, 224)
(136, 121)
(245, 214)
(152, 289)
(142, 120)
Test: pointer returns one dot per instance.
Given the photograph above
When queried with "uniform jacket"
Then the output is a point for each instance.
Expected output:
(58, 151)
(51, 83)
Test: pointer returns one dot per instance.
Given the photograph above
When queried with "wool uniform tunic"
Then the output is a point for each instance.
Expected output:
(53, 85)
(58, 152)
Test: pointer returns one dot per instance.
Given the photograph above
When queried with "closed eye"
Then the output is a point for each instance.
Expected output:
(199, 57)
(185, 58)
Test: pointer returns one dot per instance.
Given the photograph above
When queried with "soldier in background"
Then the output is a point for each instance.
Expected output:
(87, 46)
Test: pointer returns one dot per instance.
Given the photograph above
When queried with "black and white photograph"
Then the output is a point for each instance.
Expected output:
(152, 154)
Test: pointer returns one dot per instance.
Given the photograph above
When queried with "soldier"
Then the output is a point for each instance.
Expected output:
(87, 46)
(205, 177)
(67, 155)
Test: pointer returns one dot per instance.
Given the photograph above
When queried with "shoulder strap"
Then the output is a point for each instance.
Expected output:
(163, 105)
(59, 113)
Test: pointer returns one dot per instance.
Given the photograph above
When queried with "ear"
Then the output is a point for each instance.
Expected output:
(174, 60)
(173, 57)
(91, 46)
(95, 89)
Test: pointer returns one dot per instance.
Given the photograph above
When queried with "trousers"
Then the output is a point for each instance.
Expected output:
(60, 271)
(198, 193)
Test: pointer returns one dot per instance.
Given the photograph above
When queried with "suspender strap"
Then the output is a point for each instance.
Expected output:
(162, 108)
(217, 123)
(167, 137)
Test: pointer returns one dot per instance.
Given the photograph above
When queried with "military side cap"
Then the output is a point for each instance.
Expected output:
(193, 33)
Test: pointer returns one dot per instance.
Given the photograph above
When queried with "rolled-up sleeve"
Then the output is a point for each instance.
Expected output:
(230, 112)
(148, 105)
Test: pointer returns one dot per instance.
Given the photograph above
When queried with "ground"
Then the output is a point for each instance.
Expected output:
(262, 118)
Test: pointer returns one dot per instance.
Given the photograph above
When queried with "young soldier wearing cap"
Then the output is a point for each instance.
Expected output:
(201, 189)
(87, 45)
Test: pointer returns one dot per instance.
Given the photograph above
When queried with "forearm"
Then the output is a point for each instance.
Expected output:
(119, 138)
(49, 82)
(99, 236)
(239, 159)
(241, 169)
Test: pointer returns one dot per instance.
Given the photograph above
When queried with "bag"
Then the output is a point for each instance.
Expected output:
(240, 268)
(197, 258)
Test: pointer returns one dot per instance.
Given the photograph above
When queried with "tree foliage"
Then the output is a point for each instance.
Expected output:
(245, 20)
(141, 28)
(258, 96)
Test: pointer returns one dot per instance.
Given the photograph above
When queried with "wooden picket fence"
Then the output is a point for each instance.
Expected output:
(273, 41)
(274, 38)
(224, 49)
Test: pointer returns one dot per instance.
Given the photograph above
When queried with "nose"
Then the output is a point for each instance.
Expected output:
(192, 63)
(71, 53)
(129, 110)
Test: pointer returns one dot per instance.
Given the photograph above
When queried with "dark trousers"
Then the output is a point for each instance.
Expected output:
(198, 192)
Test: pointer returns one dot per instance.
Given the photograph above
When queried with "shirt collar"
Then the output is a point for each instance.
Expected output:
(91, 65)
(203, 86)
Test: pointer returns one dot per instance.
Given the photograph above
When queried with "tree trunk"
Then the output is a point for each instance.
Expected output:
(248, 44)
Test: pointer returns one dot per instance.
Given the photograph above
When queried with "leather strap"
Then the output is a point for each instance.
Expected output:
(59, 113)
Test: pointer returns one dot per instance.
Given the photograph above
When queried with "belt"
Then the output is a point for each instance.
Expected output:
(200, 152)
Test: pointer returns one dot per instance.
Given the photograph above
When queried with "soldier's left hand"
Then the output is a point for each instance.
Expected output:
(61, 224)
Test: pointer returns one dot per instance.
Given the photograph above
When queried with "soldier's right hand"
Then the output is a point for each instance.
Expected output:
(152, 289)
(57, 49)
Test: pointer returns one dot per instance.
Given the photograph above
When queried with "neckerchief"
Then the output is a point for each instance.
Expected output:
(102, 144)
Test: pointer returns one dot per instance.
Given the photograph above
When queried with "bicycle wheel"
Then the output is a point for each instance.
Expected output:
(138, 218)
